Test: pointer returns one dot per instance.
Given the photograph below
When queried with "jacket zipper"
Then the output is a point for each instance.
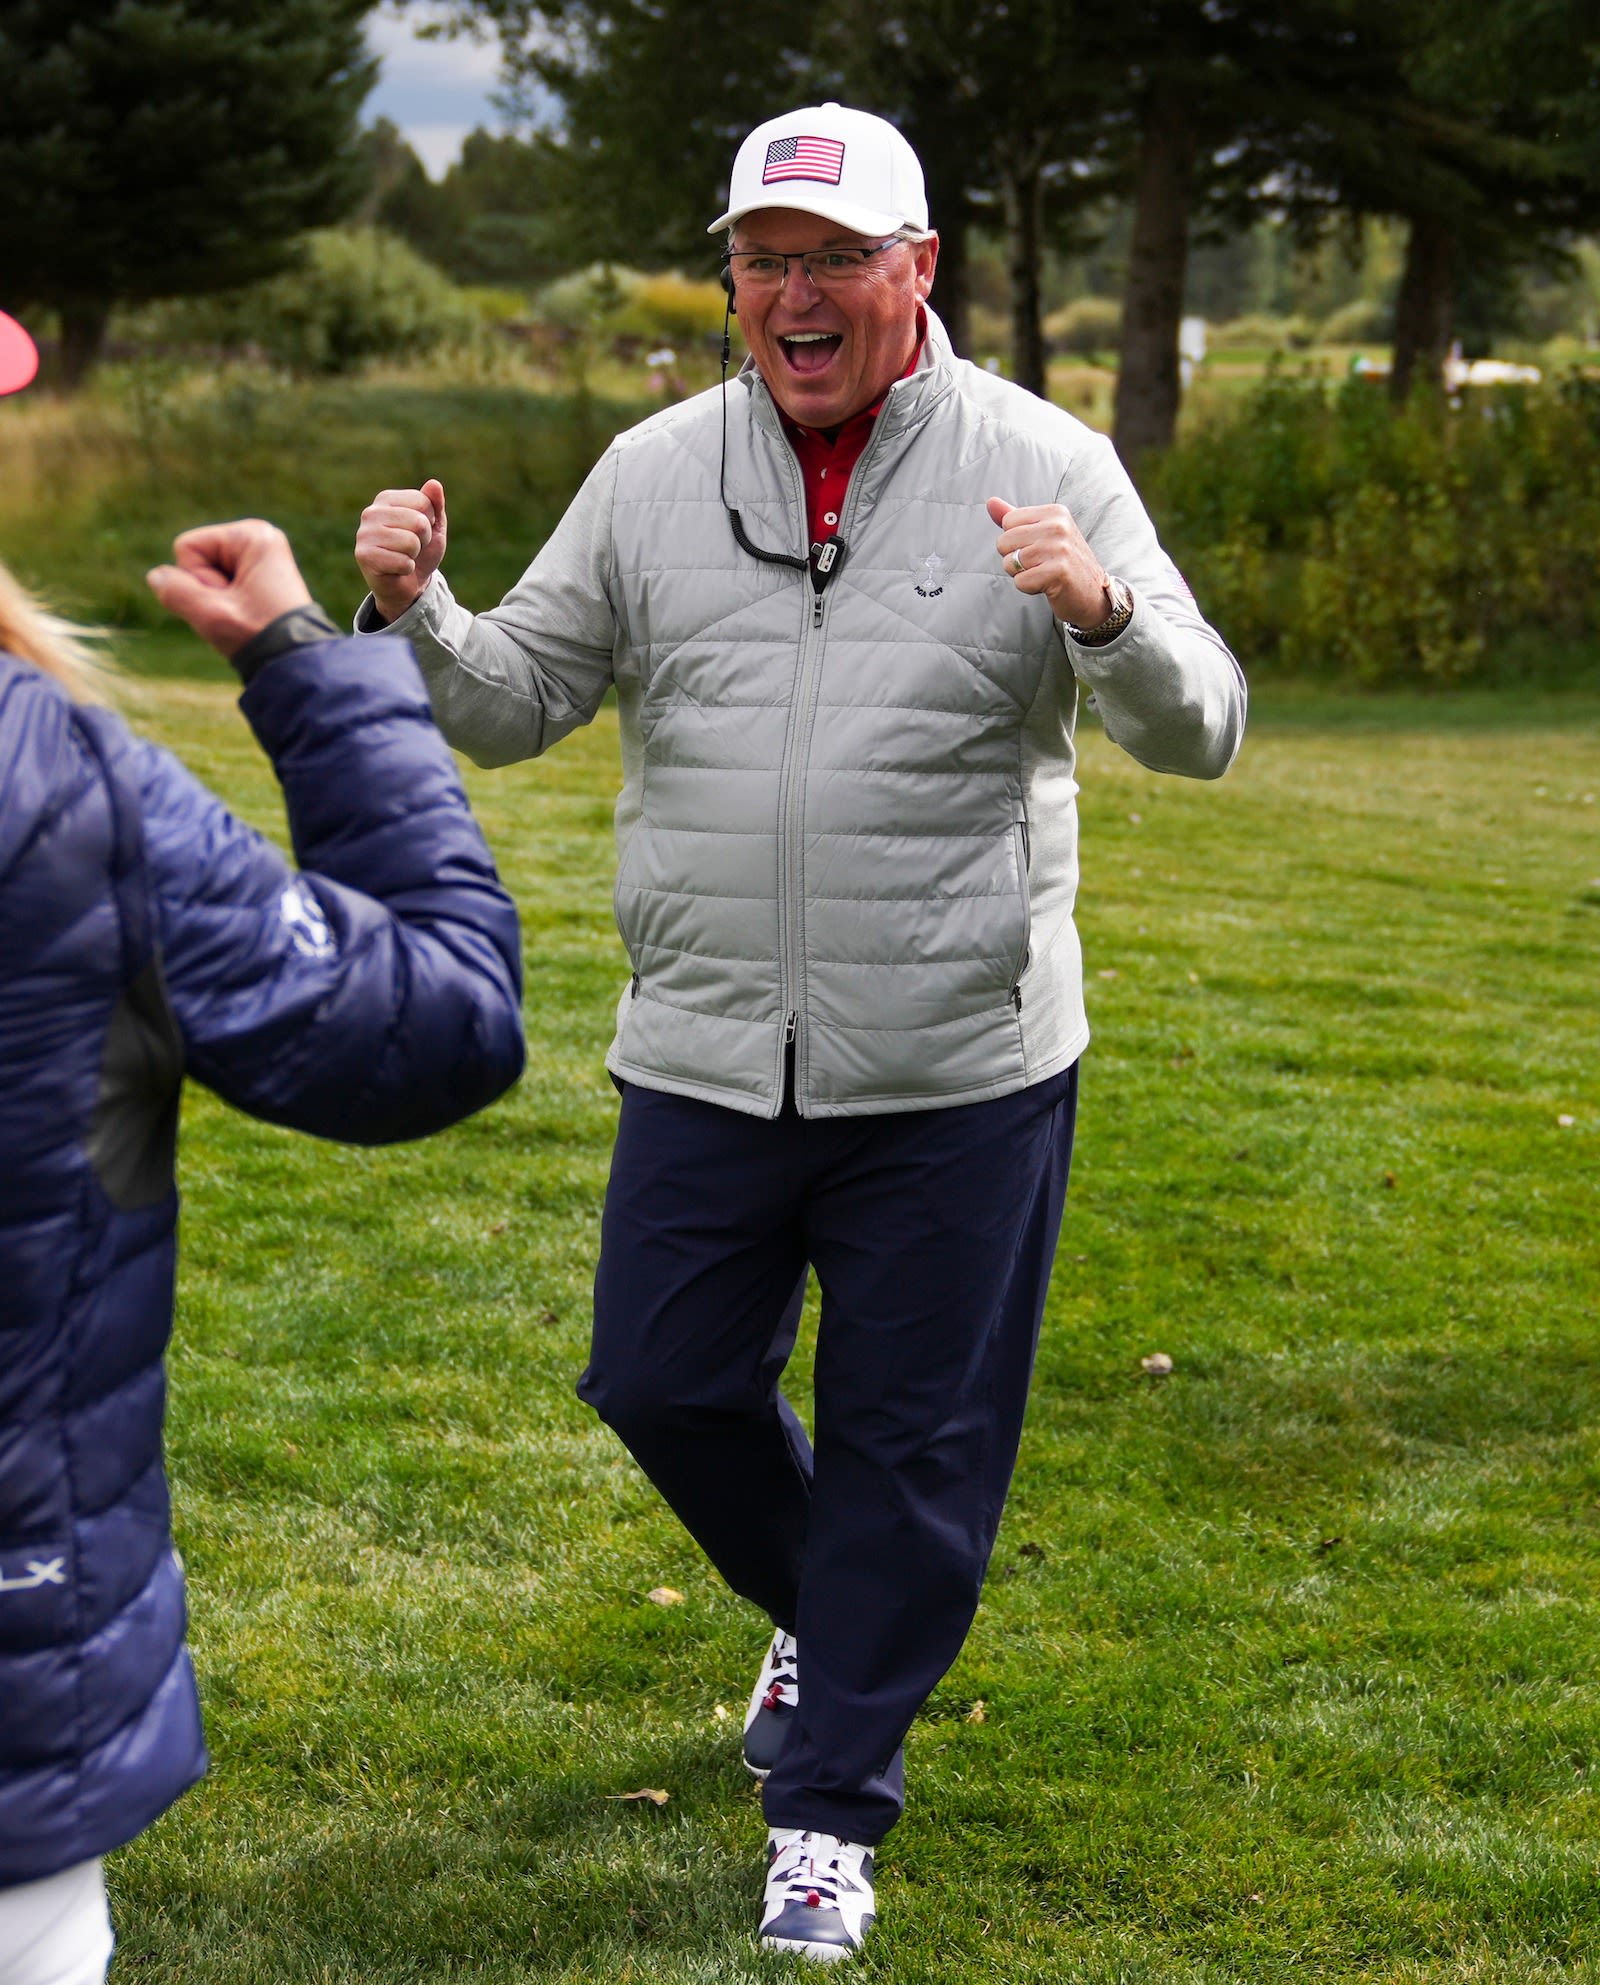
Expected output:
(1024, 854)
(791, 789)
(786, 779)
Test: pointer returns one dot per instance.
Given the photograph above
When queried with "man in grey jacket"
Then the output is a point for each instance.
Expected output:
(845, 605)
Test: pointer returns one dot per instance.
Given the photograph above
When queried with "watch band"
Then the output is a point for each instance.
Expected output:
(1113, 624)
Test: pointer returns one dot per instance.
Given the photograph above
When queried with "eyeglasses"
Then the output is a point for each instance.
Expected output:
(828, 268)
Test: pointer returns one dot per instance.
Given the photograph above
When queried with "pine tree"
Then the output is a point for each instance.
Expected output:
(158, 148)
(1485, 141)
(655, 96)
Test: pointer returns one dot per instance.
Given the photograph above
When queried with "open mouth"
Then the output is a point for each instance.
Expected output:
(809, 351)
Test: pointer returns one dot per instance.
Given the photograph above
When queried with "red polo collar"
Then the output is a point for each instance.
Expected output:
(825, 464)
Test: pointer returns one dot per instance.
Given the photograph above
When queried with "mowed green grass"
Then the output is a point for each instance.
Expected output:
(1287, 1665)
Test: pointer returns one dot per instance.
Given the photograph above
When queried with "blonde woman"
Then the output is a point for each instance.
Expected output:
(147, 935)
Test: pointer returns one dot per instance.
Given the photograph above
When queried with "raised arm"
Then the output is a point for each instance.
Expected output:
(508, 683)
(374, 995)
(1168, 690)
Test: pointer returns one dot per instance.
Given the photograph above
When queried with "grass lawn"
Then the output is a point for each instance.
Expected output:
(1287, 1665)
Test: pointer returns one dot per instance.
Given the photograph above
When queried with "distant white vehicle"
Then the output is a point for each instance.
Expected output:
(1460, 372)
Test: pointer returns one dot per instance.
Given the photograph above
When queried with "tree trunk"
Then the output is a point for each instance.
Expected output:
(1158, 254)
(1022, 257)
(1425, 306)
(952, 294)
(83, 337)
(934, 135)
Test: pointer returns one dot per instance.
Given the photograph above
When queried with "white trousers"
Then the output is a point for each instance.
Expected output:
(58, 1931)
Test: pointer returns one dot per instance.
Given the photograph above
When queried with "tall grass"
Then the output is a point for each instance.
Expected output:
(94, 490)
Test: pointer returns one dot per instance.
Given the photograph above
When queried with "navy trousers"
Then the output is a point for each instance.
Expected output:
(932, 1234)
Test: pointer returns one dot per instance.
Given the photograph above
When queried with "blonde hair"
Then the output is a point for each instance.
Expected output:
(32, 633)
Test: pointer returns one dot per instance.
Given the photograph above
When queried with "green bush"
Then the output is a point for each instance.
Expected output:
(1086, 326)
(608, 301)
(494, 304)
(1326, 532)
(1260, 332)
(591, 299)
(672, 309)
(357, 294)
(1361, 322)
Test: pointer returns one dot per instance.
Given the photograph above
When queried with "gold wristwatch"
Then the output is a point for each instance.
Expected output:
(1109, 628)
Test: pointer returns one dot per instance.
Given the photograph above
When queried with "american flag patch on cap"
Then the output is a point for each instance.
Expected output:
(804, 158)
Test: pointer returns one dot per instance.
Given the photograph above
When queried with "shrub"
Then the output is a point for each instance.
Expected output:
(672, 309)
(1327, 532)
(493, 304)
(1261, 332)
(358, 294)
(1362, 322)
(1086, 326)
(591, 299)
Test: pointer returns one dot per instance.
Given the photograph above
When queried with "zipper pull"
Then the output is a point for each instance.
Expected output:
(789, 1026)
(634, 993)
(816, 612)
(1016, 997)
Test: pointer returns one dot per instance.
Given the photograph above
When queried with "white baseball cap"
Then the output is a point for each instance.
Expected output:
(846, 165)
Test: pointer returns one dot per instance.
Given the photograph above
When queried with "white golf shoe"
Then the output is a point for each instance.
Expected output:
(819, 1895)
(773, 1702)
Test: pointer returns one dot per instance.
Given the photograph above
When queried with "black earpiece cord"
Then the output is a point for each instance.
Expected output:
(826, 558)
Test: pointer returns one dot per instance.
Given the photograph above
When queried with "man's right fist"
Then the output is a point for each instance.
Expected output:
(400, 544)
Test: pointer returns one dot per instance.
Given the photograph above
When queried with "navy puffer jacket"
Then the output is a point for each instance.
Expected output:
(145, 935)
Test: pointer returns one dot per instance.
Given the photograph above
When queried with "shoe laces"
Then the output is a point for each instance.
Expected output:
(813, 1880)
(783, 1691)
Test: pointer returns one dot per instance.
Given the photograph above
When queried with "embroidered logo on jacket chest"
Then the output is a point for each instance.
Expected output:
(930, 579)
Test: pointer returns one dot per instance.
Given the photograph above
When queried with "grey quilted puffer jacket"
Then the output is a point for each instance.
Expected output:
(847, 820)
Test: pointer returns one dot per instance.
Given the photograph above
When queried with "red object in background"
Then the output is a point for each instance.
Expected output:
(19, 356)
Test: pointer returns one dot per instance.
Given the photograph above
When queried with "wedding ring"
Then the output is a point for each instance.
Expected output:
(1016, 563)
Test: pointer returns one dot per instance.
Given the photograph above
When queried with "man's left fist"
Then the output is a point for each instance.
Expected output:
(1043, 551)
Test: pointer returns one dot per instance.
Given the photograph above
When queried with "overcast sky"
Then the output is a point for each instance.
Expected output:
(436, 91)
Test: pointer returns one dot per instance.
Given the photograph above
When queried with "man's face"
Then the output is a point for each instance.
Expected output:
(827, 354)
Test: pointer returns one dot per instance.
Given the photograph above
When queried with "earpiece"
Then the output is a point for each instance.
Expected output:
(727, 290)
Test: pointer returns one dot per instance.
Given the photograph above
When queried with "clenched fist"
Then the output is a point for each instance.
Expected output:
(230, 581)
(400, 544)
(1043, 551)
